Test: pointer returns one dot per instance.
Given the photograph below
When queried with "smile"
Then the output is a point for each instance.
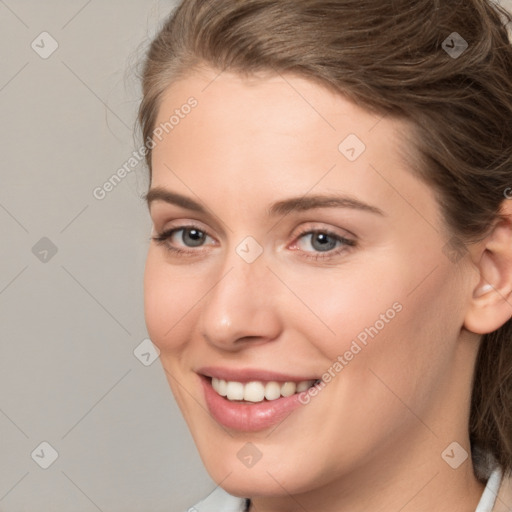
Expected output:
(251, 400)
(258, 391)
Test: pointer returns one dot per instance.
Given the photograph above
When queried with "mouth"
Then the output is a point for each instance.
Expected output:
(251, 400)
(257, 391)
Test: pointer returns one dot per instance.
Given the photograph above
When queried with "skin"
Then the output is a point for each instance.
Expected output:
(372, 439)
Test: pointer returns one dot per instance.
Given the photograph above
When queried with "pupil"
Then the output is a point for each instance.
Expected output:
(323, 242)
(193, 237)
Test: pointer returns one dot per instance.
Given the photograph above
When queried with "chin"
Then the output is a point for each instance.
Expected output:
(250, 485)
(266, 477)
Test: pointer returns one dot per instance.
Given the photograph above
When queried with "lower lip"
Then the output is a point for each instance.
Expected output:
(246, 416)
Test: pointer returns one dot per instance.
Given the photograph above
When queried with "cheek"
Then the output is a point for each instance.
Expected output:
(411, 354)
(170, 297)
(168, 309)
(380, 319)
(403, 362)
(334, 308)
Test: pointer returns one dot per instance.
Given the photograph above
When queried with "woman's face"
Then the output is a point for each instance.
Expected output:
(303, 249)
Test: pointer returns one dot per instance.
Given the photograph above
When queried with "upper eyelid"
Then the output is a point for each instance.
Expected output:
(183, 225)
(318, 226)
(159, 211)
(301, 231)
(222, 228)
(167, 232)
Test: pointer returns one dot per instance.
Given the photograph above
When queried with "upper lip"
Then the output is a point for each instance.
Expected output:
(250, 374)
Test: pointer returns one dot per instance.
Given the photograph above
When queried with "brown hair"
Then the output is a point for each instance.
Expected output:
(398, 58)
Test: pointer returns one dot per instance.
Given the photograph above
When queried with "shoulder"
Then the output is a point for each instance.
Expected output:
(219, 501)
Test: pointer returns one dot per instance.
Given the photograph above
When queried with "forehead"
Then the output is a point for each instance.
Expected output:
(267, 109)
(266, 104)
(276, 133)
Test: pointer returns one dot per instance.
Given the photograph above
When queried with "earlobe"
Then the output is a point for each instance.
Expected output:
(490, 305)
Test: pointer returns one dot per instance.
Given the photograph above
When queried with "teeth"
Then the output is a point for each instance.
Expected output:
(254, 392)
(222, 388)
(302, 386)
(272, 390)
(257, 391)
(235, 390)
(288, 388)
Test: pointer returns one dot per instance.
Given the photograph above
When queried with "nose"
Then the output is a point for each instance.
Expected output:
(242, 306)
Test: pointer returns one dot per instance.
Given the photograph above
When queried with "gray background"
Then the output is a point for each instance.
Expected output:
(70, 324)
(71, 321)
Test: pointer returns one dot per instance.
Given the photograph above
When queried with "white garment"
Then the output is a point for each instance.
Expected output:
(488, 499)
(220, 501)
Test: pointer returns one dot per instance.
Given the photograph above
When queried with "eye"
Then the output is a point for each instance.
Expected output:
(320, 241)
(183, 239)
(191, 237)
(318, 244)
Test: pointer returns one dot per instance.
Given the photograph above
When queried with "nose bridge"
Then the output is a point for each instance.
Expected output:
(240, 304)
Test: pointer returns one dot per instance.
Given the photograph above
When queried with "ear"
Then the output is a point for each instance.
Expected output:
(491, 303)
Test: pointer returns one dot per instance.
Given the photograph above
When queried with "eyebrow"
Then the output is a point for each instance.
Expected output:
(283, 207)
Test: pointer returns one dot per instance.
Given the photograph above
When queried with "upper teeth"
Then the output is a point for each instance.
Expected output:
(257, 391)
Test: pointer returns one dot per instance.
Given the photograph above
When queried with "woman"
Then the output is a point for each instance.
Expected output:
(329, 280)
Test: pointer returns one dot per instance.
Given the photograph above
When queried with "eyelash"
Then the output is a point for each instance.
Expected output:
(162, 239)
